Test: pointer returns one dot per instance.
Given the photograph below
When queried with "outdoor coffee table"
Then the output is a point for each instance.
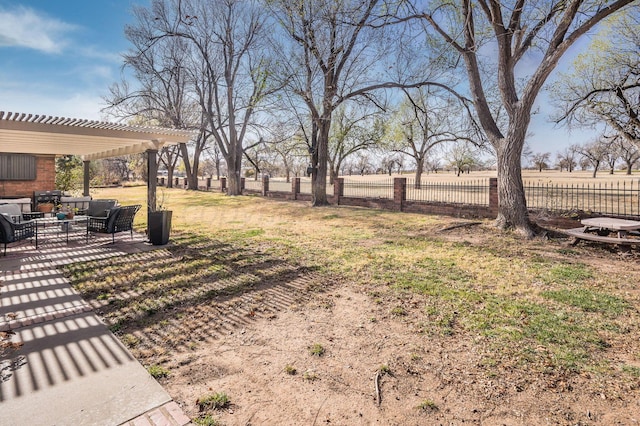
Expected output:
(65, 224)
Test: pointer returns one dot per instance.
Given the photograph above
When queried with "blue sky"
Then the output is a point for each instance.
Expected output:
(59, 57)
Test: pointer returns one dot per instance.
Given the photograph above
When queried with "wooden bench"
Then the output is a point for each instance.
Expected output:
(580, 234)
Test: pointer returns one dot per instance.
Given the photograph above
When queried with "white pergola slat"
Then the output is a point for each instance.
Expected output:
(92, 140)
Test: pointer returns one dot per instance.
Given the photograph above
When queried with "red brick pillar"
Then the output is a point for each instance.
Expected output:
(242, 184)
(338, 189)
(295, 187)
(493, 196)
(399, 193)
(223, 184)
(265, 185)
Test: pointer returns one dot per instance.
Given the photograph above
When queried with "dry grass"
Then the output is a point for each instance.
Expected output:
(537, 307)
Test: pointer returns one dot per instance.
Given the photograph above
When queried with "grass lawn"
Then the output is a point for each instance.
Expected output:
(539, 312)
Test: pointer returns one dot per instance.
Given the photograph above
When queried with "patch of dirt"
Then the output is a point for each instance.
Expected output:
(429, 380)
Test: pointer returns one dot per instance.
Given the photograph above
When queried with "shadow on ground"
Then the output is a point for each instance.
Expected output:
(195, 290)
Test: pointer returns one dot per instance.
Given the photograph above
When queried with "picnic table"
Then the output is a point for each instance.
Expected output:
(599, 228)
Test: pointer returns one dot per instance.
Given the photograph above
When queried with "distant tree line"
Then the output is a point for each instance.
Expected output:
(327, 87)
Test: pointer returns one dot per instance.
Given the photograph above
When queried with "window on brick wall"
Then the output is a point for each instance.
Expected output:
(17, 167)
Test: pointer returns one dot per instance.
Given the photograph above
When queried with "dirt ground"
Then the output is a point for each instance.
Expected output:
(377, 366)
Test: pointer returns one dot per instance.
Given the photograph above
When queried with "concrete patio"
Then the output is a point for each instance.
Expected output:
(67, 368)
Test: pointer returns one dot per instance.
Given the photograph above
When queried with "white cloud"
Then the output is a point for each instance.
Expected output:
(24, 27)
(61, 103)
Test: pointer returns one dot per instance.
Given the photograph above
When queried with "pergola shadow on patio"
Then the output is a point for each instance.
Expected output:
(59, 363)
(62, 358)
(22, 133)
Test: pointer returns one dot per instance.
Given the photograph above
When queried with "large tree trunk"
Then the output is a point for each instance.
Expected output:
(512, 204)
(419, 168)
(169, 177)
(234, 169)
(319, 179)
(187, 164)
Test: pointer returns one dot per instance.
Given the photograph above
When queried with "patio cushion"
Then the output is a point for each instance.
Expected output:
(100, 208)
(23, 203)
(80, 203)
(6, 230)
(11, 210)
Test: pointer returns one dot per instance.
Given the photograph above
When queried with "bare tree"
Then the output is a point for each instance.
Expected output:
(355, 128)
(611, 157)
(538, 32)
(605, 83)
(161, 96)
(228, 66)
(338, 50)
(540, 160)
(628, 152)
(461, 156)
(593, 153)
(288, 145)
(424, 120)
(568, 158)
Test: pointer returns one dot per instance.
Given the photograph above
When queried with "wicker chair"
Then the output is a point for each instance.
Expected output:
(11, 232)
(119, 219)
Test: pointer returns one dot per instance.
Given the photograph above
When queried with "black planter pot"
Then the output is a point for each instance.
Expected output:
(159, 227)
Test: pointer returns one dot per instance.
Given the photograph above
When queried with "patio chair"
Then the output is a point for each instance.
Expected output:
(118, 219)
(19, 207)
(11, 232)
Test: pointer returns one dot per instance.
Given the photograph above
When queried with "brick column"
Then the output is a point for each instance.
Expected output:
(177, 182)
(338, 189)
(399, 192)
(223, 184)
(242, 180)
(208, 184)
(265, 185)
(295, 187)
(493, 196)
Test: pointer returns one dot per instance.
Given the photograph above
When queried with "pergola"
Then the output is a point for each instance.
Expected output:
(22, 133)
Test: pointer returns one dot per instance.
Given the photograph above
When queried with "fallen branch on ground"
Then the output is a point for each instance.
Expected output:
(460, 225)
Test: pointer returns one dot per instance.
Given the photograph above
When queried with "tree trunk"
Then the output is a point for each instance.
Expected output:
(234, 168)
(512, 204)
(169, 177)
(319, 179)
(419, 168)
(187, 163)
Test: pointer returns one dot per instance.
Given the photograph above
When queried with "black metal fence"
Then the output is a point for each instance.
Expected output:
(374, 189)
(470, 192)
(620, 199)
(606, 198)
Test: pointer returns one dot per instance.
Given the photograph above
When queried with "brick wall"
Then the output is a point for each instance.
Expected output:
(45, 179)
